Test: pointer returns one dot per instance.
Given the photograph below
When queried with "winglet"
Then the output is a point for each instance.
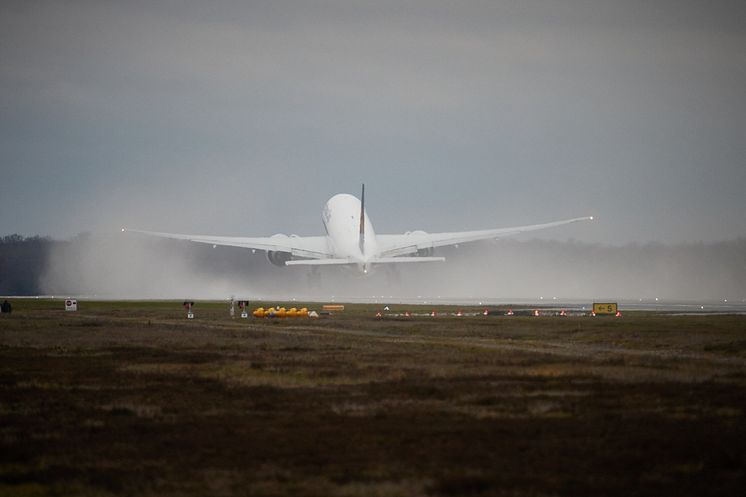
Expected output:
(361, 241)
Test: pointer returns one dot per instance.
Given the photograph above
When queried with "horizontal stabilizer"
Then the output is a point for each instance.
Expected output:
(321, 262)
(350, 262)
(396, 260)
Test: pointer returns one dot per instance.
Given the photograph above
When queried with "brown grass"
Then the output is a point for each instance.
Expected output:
(126, 400)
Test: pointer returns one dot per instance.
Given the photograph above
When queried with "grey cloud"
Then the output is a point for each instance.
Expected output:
(246, 116)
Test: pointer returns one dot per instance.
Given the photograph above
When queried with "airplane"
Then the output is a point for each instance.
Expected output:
(351, 241)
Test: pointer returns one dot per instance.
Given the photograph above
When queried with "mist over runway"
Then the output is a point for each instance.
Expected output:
(531, 271)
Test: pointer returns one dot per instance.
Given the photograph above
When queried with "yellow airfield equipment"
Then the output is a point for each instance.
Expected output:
(605, 308)
(333, 307)
(280, 312)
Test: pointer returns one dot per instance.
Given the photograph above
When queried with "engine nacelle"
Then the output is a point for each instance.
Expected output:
(278, 258)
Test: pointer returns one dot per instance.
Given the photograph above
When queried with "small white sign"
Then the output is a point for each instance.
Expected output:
(244, 314)
(71, 305)
(190, 315)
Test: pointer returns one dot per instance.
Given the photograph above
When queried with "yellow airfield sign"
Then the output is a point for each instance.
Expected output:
(605, 307)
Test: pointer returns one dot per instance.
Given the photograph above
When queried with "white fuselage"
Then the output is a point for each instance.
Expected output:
(341, 218)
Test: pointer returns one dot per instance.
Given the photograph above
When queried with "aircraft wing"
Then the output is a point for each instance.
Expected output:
(312, 247)
(410, 243)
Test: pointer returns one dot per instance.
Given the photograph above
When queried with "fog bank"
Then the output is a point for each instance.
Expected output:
(126, 265)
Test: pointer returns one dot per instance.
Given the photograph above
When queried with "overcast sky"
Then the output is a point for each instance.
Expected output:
(244, 117)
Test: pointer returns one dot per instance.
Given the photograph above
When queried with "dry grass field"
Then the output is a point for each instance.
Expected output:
(127, 398)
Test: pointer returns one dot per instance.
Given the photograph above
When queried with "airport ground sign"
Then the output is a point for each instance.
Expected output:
(600, 308)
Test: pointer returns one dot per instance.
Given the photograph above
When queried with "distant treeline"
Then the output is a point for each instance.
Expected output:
(22, 263)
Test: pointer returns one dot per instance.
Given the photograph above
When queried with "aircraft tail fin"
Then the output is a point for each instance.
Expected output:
(361, 239)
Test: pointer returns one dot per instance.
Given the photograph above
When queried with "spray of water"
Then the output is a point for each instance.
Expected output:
(127, 265)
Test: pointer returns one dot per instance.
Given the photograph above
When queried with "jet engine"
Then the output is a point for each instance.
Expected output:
(278, 258)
